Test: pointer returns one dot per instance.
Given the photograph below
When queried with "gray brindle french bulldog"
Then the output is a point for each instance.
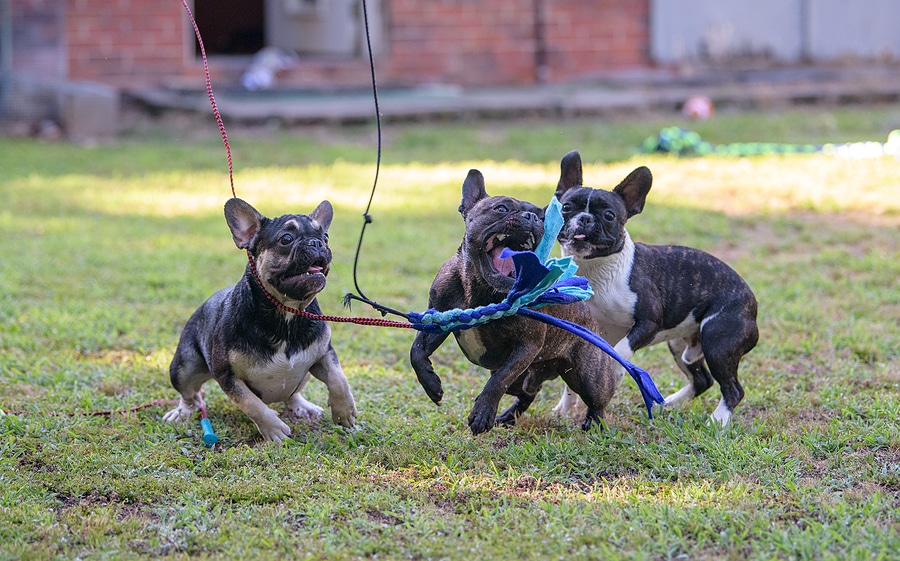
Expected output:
(520, 353)
(646, 294)
(258, 353)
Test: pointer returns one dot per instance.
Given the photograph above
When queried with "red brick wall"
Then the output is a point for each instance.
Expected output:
(465, 42)
(472, 42)
(126, 42)
(587, 38)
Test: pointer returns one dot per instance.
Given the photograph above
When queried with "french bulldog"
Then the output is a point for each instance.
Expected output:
(258, 353)
(646, 294)
(520, 353)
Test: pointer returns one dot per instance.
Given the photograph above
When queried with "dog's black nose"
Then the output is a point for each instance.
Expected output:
(531, 217)
(584, 219)
(316, 243)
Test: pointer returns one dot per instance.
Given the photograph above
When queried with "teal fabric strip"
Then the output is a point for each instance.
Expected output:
(553, 222)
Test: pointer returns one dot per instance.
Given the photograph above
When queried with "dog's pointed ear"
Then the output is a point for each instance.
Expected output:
(244, 222)
(323, 214)
(472, 191)
(570, 173)
(634, 189)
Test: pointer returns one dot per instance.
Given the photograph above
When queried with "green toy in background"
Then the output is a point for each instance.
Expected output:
(684, 142)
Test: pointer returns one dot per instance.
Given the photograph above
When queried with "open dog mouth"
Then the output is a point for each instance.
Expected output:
(577, 242)
(315, 268)
(495, 244)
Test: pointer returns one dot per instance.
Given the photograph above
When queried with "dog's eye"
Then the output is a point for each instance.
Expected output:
(566, 207)
(609, 216)
(286, 239)
(501, 208)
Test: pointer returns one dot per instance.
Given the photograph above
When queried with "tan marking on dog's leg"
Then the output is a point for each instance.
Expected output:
(692, 352)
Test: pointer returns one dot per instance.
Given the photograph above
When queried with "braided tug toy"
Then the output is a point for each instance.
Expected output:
(684, 142)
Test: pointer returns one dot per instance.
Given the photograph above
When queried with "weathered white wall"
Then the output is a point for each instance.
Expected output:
(783, 30)
(864, 28)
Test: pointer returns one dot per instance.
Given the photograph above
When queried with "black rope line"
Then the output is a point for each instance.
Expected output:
(367, 218)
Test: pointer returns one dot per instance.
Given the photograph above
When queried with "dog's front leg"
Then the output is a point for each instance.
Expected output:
(420, 357)
(270, 426)
(484, 412)
(329, 371)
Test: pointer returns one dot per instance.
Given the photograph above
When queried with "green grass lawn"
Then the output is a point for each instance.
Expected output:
(108, 250)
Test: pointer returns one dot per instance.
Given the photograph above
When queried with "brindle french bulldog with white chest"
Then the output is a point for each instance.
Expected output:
(647, 294)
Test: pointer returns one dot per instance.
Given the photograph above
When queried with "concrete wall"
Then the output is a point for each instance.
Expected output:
(781, 30)
(861, 28)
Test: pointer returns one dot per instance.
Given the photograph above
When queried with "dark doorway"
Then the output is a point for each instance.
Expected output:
(231, 27)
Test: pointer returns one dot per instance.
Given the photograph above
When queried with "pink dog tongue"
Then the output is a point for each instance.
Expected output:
(313, 270)
(503, 266)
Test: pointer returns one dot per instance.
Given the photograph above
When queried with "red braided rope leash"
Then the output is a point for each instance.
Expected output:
(215, 109)
(153, 403)
(303, 313)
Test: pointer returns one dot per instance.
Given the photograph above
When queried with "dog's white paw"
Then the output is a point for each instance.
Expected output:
(181, 413)
(345, 417)
(343, 407)
(344, 413)
(298, 409)
(568, 405)
(721, 415)
(684, 394)
(272, 428)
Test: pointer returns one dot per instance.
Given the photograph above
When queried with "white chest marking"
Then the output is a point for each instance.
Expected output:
(470, 344)
(279, 377)
(613, 301)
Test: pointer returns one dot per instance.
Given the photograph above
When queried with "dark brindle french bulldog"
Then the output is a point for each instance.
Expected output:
(257, 353)
(646, 294)
(520, 353)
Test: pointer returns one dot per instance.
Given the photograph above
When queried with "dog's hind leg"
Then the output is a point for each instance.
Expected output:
(725, 343)
(187, 372)
(297, 408)
(688, 355)
(594, 378)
